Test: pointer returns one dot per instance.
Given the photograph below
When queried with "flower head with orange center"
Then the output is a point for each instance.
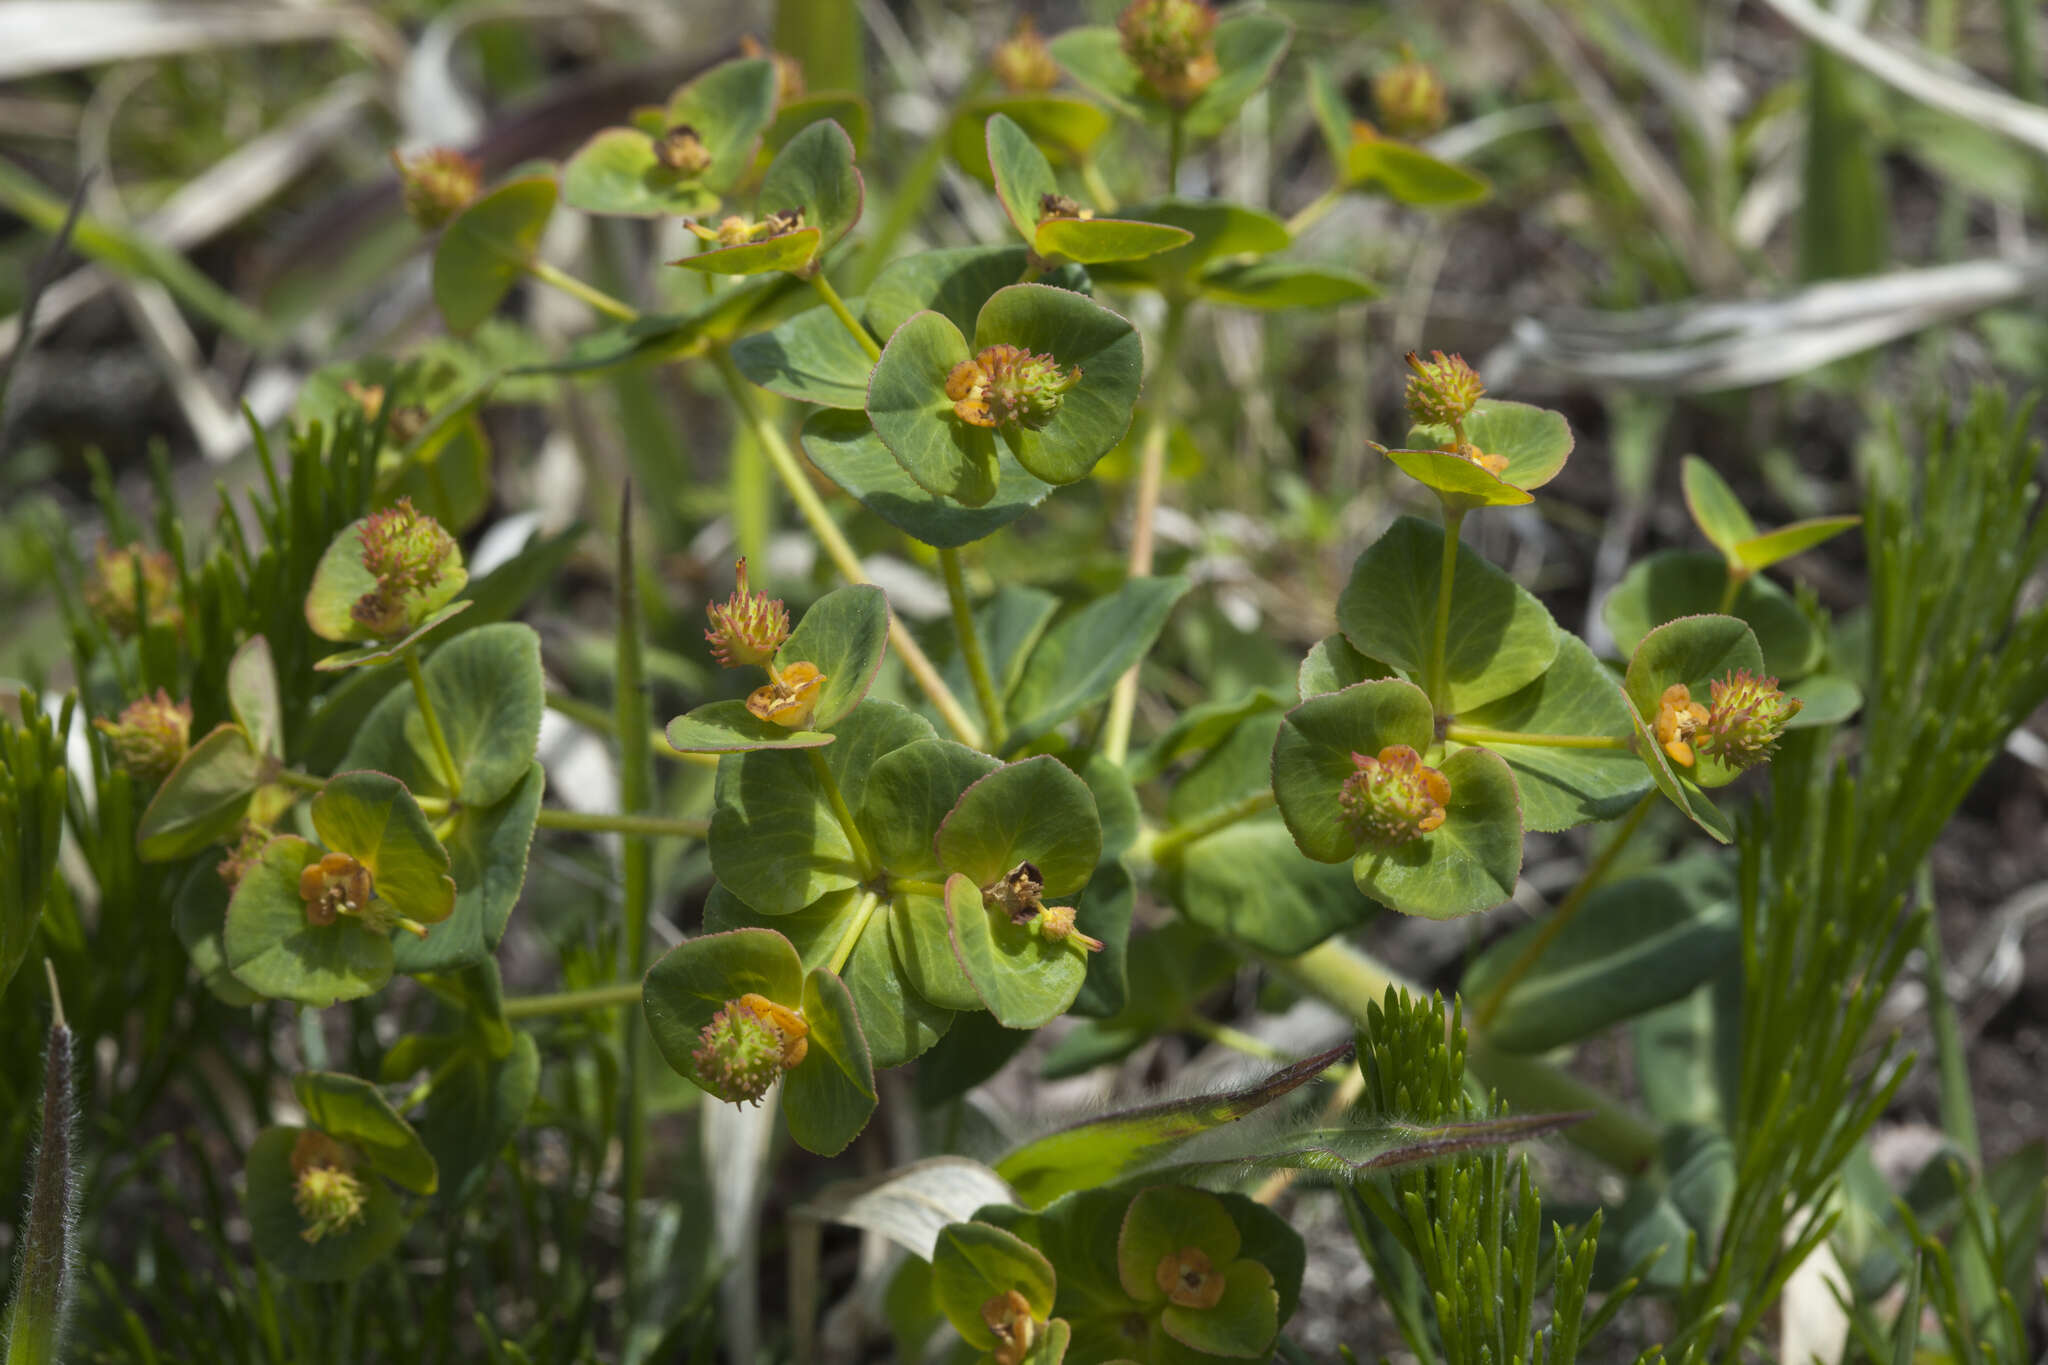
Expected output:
(1008, 1316)
(682, 151)
(1187, 1277)
(111, 588)
(1008, 386)
(412, 558)
(1392, 798)
(789, 698)
(1023, 63)
(747, 1047)
(150, 736)
(325, 1189)
(1745, 719)
(1411, 98)
(437, 184)
(1679, 718)
(340, 885)
(748, 627)
(1173, 45)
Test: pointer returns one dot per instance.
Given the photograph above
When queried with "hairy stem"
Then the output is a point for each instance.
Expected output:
(577, 289)
(970, 647)
(573, 1002)
(1489, 1005)
(43, 1271)
(1479, 734)
(450, 777)
(1440, 686)
(836, 548)
(595, 823)
(1169, 842)
(845, 315)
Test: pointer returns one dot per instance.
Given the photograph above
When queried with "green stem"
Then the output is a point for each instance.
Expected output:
(553, 818)
(970, 647)
(845, 315)
(1097, 187)
(450, 776)
(1349, 979)
(306, 782)
(1479, 734)
(863, 856)
(861, 915)
(1176, 143)
(636, 865)
(417, 1096)
(1439, 686)
(1170, 841)
(577, 289)
(1237, 1040)
(1730, 590)
(1951, 1058)
(1314, 211)
(598, 719)
(916, 888)
(840, 552)
(1488, 1007)
(1123, 704)
(573, 1002)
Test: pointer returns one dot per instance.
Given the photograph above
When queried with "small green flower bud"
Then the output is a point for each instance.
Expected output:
(748, 627)
(1056, 925)
(437, 184)
(409, 555)
(682, 151)
(1024, 63)
(249, 842)
(1442, 390)
(1745, 720)
(110, 590)
(1172, 43)
(1411, 99)
(1007, 386)
(747, 1047)
(1393, 798)
(150, 737)
(325, 1190)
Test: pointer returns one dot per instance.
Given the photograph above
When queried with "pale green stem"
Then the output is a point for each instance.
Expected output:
(1170, 841)
(836, 548)
(916, 888)
(970, 647)
(863, 856)
(1123, 703)
(417, 1096)
(306, 782)
(1176, 144)
(600, 720)
(864, 912)
(573, 1002)
(552, 818)
(1488, 1007)
(450, 776)
(845, 315)
(1439, 685)
(1315, 210)
(1731, 589)
(1479, 734)
(1097, 187)
(636, 867)
(1237, 1040)
(577, 289)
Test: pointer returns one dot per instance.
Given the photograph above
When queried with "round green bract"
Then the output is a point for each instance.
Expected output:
(1695, 651)
(1075, 332)
(276, 952)
(1025, 980)
(1313, 749)
(1468, 863)
(845, 447)
(914, 417)
(486, 249)
(353, 1110)
(1038, 812)
(275, 1224)
(373, 818)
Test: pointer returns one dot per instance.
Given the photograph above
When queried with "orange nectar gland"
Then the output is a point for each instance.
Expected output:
(325, 1191)
(747, 1047)
(1172, 43)
(150, 737)
(1024, 63)
(338, 885)
(1411, 99)
(748, 627)
(1008, 386)
(1679, 718)
(789, 698)
(407, 552)
(110, 588)
(1745, 720)
(437, 184)
(1188, 1278)
(1393, 798)
(682, 151)
(1008, 1316)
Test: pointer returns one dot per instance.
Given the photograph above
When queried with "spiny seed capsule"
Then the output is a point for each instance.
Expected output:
(789, 698)
(1411, 99)
(1008, 1316)
(1442, 390)
(1008, 386)
(150, 737)
(747, 1047)
(325, 1191)
(1679, 718)
(1745, 720)
(1172, 43)
(111, 588)
(748, 627)
(1390, 799)
(437, 184)
(1024, 63)
(1056, 925)
(1188, 1278)
(408, 553)
(682, 151)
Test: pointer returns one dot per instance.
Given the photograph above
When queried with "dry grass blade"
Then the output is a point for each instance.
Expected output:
(37, 39)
